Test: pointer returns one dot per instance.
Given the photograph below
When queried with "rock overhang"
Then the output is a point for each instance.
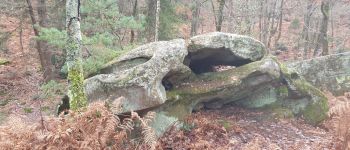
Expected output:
(213, 49)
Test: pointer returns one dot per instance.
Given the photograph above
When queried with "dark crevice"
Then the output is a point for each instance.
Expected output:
(167, 84)
(64, 106)
(209, 60)
(167, 81)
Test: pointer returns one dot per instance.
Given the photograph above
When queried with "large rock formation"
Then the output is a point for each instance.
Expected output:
(173, 79)
(330, 72)
(138, 75)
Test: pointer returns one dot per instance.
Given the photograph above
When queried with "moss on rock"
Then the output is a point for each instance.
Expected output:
(316, 109)
(316, 112)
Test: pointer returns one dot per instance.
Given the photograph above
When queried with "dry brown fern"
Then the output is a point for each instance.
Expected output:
(340, 116)
(96, 128)
(149, 135)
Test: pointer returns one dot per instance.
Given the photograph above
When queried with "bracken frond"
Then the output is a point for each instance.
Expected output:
(96, 128)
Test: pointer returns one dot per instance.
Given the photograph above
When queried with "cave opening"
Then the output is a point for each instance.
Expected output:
(169, 80)
(213, 60)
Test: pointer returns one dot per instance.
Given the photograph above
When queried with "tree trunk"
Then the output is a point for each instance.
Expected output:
(261, 19)
(44, 55)
(49, 70)
(195, 17)
(280, 23)
(132, 32)
(151, 20)
(156, 31)
(266, 22)
(220, 15)
(306, 27)
(322, 38)
(272, 24)
(76, 92)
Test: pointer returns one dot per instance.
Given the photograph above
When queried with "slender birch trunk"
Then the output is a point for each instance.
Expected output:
(157, 22)
(76, 92)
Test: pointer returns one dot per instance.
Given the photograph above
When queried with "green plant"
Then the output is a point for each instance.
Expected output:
(4, 61)
(295, 24)
(51, 89)
(281, 46)
(101, 19)
(28, 110)
(99, 57)
(45, 108)
(168, 20)
(226, 124)
(4, 102)
(187, 126)
(102, 42)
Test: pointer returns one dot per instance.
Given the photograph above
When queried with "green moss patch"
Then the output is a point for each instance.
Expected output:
(4, 61)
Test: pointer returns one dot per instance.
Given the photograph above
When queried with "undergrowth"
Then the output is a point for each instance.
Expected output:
(96, 128)
(340, 119)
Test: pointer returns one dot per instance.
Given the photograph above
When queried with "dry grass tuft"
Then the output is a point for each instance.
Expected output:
(96, 128)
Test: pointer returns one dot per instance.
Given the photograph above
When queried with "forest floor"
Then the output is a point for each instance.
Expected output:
(243, 129)
(21, 78)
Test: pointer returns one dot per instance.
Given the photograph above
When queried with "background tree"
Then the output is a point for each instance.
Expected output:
(151, 19)
(168, 20)
(134, 14)
(195, 16)
(310, 8)
(322, 37)
(156, 31)
(45, 54)
(218, 13)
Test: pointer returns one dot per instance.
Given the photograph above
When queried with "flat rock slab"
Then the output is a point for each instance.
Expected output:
(330, 72)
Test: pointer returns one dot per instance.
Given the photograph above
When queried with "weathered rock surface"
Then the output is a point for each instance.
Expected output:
(174, 79)
(331, 72)
(138, 75)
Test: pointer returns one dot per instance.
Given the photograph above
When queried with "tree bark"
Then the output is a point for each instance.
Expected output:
(266, 21)
(221, 15)
(272, 24)
(280, 23)
(151, 20)
(156, 31)
(306, 27)
(195, 17)
(134, 12)
(218, 14)
(76, 91)
(322, 37)
(261, 19)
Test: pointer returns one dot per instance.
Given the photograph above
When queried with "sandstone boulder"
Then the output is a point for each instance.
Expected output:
(330, 72)
(174, 78)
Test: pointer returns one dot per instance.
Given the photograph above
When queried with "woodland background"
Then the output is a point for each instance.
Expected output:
(33, 38)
